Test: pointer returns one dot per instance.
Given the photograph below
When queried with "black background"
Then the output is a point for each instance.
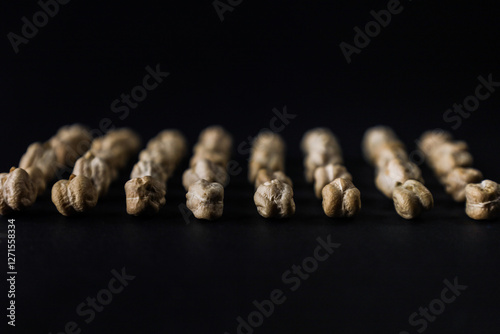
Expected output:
(198, 277)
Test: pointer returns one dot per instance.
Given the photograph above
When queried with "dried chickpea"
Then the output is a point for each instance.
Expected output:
(37, 178)
(341, 198)
(159, 159)
(456, 181)
(205, 199)
(96, 170)
(17, 191)
(216, 157)
(116, 148)
(395, 171)
(206, 170)
(34, 152)
(214, 138)
(268, 152)
(389, 151)
(450, 160)
(317, 159)
(326, 174)
(175, 143)
(323, 164)
(272, 163)
(274, 199)
(149, 168)
(167, 149)
(41, 156)
(443, 153)
(482, 200)
(214, 144)
(268, 141)
(4, 208)
(449, 155)
(320, 147)
(146, 190)
(375, 138)
(266, 175)
(75, 195)
(320, 137)
(274, 195)
(69, 143)
(205, 179)
(411, 198)
(144, 195)
(432, 139)
(396, 176)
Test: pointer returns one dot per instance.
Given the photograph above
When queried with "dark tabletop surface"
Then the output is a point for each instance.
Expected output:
(198, 277)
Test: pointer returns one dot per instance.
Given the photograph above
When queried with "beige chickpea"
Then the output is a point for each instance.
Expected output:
(389, 151)
(149, 168)
(266, 175)
(320, 138)
(176, 142)
(214, 138)
(205, 199)
(34, 152)
(159, 159)
(374, 138)
(76, 195)
(170, 146)
(482, 200)
(116, 148)
(268, 142)
(206, 170)
(4, 208)
(326, 174)
(395, 171)
(411, 198)
(216, 157)
(432, 139)
(262, 155)
(317, 159)
(274, 199)
(449, 155)
(37, 178)
(144, 195)
(17, 191)
(41, 156)
(341, 198)
(456, 181)
(272, 162)
(321, 147)
(69, 143)
(96, 170)
(268, 152)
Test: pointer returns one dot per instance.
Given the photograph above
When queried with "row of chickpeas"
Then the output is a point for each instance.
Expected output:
(97, 163)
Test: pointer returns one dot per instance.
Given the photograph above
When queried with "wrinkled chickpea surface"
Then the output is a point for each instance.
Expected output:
(145, 191)
(396, 176)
